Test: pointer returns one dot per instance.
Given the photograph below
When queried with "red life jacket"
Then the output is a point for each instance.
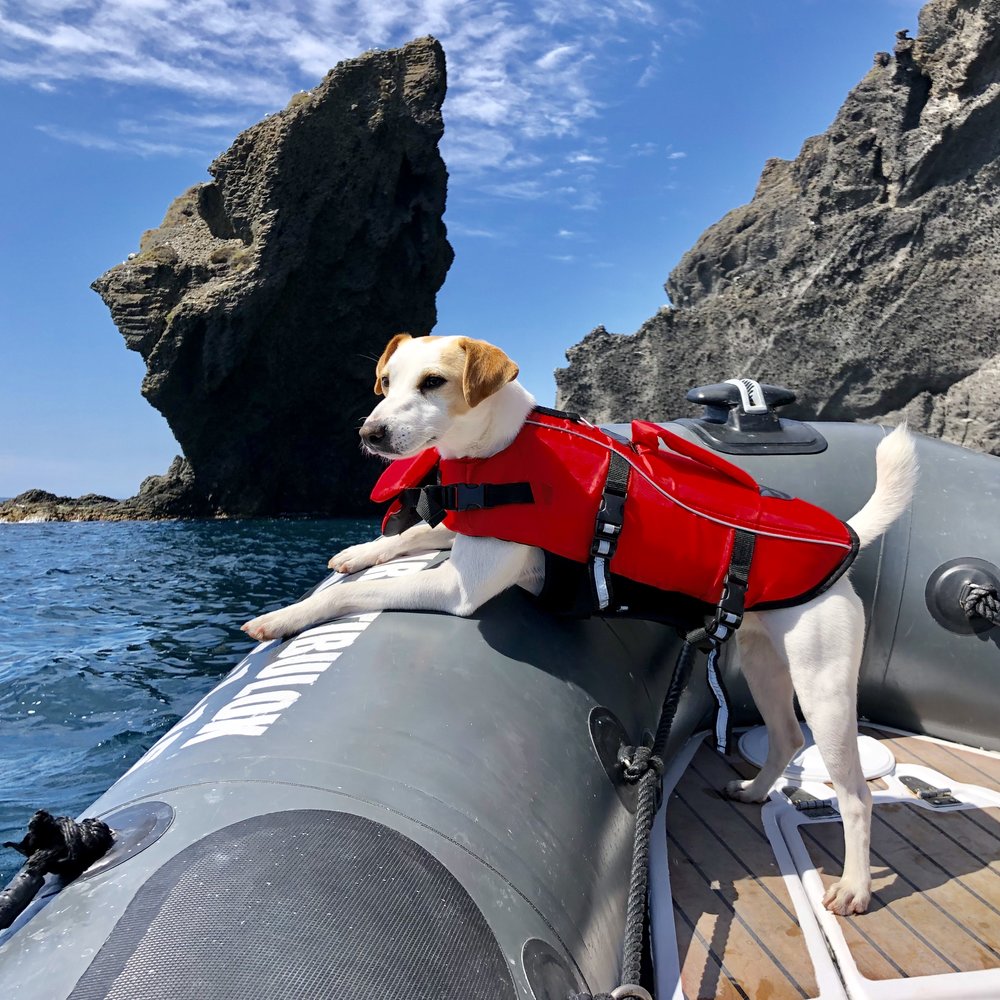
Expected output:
(687, 520)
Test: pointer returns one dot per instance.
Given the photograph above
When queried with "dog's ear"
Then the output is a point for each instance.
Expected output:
(487, 369)
(390, 349)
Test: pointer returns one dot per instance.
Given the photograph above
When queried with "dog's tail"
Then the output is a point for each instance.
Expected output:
(895, 479)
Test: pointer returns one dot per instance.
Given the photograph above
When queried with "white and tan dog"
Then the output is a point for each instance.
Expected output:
(460, 396)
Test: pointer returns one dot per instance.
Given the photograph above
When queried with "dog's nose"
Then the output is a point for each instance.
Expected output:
(373, 433)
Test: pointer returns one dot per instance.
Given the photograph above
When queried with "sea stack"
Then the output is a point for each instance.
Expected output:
(261, 302)
(865, 274)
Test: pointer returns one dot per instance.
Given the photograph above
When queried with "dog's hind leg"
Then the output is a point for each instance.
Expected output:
(823, 643)
(771, 686)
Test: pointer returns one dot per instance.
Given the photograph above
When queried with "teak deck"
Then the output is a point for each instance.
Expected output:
(936, 902)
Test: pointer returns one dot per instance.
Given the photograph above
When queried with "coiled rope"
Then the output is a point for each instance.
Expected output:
(981, 602)
(643, 766)
(55, 844)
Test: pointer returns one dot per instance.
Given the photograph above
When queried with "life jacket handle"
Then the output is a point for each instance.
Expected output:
(649, 435)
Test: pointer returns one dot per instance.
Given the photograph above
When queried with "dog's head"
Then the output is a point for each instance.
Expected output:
(435, 390)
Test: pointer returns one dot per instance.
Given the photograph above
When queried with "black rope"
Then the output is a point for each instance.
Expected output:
(981, 602)
(55, 844)
(644, 765)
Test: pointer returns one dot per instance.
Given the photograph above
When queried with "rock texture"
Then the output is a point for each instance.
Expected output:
(159, 497)
(865, 274)
(262, 300)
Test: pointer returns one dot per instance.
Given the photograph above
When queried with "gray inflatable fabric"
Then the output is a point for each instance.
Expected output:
(405, 806)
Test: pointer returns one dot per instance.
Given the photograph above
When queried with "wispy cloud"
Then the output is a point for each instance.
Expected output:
(526, 190)
(652, 70)
(117, 144)
(521, 77)
(589, 201)
(649, 74)
(460, 229)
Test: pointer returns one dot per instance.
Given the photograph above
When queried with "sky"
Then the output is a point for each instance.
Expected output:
(589, 143)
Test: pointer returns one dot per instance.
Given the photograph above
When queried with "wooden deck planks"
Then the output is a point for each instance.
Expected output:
(936, 878)
(736, 928)
(704, 977)
(898, 932)
(936, 905)
(960, 765)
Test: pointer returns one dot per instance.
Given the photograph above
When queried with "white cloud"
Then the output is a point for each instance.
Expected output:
(460, 229)
(522, 78)
(589, 201)
(472, 150)
(676, 155)
(555, 56)
(649, 74)
(526, 190)
(112, 144)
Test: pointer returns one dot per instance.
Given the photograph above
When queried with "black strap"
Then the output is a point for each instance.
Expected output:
(729, 613)
(432, 502)
(547, 411)
(608, 527)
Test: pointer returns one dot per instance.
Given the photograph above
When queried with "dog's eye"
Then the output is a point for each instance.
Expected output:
(432, 382)
(384, 382)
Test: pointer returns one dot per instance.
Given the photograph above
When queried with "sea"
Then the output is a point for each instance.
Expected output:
(111, 631)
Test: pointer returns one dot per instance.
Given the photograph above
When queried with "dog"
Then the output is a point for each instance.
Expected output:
(461, 396)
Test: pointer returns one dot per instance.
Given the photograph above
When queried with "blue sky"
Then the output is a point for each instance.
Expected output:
(589, 144)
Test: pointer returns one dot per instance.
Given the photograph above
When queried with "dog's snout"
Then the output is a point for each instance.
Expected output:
(374, 434)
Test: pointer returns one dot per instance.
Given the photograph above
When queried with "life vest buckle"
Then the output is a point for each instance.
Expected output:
(729, 611)
(467, 496)
(733, 599)
(612, 510)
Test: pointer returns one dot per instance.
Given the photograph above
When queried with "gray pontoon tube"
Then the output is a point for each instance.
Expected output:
(412, 806)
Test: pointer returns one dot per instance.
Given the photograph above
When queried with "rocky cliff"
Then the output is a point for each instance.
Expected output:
(259, 301)
(865, 274)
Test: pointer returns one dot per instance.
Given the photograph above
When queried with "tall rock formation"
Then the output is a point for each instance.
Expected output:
(865, 274)
(261, 302)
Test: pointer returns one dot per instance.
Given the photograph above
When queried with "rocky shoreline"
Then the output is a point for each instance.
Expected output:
(160, 498)
(864, 275)
(36, 506)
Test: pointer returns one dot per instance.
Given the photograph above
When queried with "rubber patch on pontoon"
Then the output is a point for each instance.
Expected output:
(305, 903)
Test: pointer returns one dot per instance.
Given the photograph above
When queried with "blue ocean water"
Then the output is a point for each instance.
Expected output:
(112, 631)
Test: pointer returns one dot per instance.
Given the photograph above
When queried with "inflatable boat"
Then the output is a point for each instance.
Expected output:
(405, 806)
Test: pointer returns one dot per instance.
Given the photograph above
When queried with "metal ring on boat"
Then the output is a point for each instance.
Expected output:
(630, 990)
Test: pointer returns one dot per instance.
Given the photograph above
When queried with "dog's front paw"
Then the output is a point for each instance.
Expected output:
(356, 558)
(743, 791)
(846, 897)
(274, 625)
